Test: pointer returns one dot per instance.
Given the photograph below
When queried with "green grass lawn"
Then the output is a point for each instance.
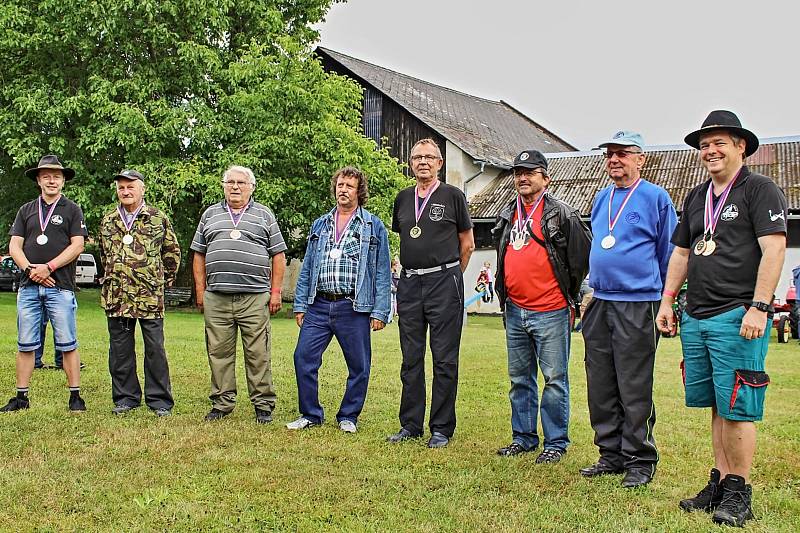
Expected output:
(95, 471)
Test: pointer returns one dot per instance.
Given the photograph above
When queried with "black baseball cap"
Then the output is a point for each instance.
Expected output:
(129, 174)
(530, 159)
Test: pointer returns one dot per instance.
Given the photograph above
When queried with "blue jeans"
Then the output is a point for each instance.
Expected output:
(538, 340)
(323, 320)
(58, 356)
(61, 307)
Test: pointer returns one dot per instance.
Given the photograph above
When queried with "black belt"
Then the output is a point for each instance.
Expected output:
(331, 297)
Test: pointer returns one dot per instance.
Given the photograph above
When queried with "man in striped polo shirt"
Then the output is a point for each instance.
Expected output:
(238, 271)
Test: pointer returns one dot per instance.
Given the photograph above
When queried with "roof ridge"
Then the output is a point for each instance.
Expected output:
(330, 51)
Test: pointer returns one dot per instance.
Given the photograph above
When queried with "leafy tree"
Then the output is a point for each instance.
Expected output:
(180, 90)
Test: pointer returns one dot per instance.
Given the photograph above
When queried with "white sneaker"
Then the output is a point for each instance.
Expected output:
(347, 426)
(301, 423)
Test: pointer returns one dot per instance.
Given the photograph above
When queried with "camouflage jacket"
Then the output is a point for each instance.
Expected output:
(136, 273)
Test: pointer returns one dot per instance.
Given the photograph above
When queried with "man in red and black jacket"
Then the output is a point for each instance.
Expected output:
(542, 258)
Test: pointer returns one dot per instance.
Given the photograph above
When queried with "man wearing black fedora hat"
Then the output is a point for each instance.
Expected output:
(730, 245)
(46, 240)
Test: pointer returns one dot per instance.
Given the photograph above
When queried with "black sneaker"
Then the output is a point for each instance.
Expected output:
(550, 455)
(513, 449)
(735, 508)
(707, 499)
(76, 403)
(122, 408)
(216, 414)
(15, 404)
(262, 416)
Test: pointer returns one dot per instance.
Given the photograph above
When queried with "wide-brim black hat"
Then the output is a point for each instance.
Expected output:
(724, 120)
(50, 161)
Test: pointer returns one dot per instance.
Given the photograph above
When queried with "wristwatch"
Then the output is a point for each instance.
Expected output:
(761, 306)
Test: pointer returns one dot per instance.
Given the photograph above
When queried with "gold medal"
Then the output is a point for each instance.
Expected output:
(415, 232)
(710, 247)
(700, 246)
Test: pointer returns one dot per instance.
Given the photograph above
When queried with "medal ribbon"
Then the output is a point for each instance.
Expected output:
(235, 219)
(612, 223)
(43, 222)
(418, 209)
(521, 224)
(710, 213)
(337, 235)
(121, 211)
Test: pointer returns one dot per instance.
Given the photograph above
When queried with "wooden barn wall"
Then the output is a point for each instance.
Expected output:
(401, 130)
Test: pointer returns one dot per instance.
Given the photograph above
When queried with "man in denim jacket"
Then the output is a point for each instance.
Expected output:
(344, 291)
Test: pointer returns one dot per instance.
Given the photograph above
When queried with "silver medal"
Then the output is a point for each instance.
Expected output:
(41, 240)
(608, 242)
(127, 239)
(518, 243)
(335, 253)
(236, 234)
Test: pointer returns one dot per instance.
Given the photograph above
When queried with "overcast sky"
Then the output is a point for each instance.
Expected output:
(585, 69)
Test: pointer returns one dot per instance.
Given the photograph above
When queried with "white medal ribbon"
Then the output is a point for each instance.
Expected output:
(613, 222)
(43, 222)
(128, 238)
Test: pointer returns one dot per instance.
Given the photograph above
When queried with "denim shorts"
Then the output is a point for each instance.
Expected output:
(61, 307)
(723, 369)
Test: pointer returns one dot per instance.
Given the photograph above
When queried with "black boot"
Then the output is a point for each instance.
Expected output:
(735, 507)
(707, 499)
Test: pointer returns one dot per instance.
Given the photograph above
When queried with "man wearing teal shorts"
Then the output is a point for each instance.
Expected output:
(730, 245)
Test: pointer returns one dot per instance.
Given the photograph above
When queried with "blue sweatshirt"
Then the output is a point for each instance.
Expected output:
(634, 269)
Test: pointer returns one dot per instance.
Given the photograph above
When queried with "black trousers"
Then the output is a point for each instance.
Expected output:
(436, 302)
(621, 340)
(122, 363)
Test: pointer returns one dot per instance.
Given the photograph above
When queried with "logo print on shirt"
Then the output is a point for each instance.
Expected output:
(436, 212)
(730, 212)
(776, 216)
(632, 217)
(56, 219)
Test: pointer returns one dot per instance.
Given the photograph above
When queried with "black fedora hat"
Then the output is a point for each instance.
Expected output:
(50, 161)
(724, 120)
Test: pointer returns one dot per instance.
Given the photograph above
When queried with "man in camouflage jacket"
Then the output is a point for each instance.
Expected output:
(140, 256)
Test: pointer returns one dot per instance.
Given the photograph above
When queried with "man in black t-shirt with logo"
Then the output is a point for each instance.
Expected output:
(46, 240)
(436, 243)
(730, 245)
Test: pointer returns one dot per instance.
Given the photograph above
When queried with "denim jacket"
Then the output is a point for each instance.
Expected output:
(373, 282)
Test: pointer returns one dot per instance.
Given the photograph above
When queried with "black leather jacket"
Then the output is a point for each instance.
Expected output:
(567, 240)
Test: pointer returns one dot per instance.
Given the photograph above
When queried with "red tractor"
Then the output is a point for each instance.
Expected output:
(785, 320)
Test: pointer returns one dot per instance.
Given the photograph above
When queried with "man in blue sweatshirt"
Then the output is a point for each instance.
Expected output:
(632, 223)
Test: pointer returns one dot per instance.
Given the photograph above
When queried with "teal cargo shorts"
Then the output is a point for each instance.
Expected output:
(722, 369)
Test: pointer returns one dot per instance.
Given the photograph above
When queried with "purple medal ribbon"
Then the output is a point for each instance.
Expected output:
(135, 214)
(418, 209)
(235, 219)
(43, 222)
(522, 224)
(337, 234)
(711, 214)
(612, 223)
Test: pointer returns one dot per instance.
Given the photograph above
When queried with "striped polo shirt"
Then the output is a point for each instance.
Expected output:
(243, 264)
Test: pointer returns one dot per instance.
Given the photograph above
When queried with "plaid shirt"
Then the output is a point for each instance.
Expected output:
(338, 276)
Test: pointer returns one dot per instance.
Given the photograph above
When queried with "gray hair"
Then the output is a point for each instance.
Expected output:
(240, 170)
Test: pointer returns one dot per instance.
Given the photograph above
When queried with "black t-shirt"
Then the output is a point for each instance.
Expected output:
(717, 283)
(445, 216)
(65, 222)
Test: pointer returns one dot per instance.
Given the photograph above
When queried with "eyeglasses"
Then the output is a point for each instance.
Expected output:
(238, 184)
(621, 154)
(521, 173)
(418, 158)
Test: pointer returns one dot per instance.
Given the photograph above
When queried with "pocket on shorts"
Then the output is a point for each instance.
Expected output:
(747, 397)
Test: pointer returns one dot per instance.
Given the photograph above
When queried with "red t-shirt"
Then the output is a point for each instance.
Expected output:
(530, 281)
